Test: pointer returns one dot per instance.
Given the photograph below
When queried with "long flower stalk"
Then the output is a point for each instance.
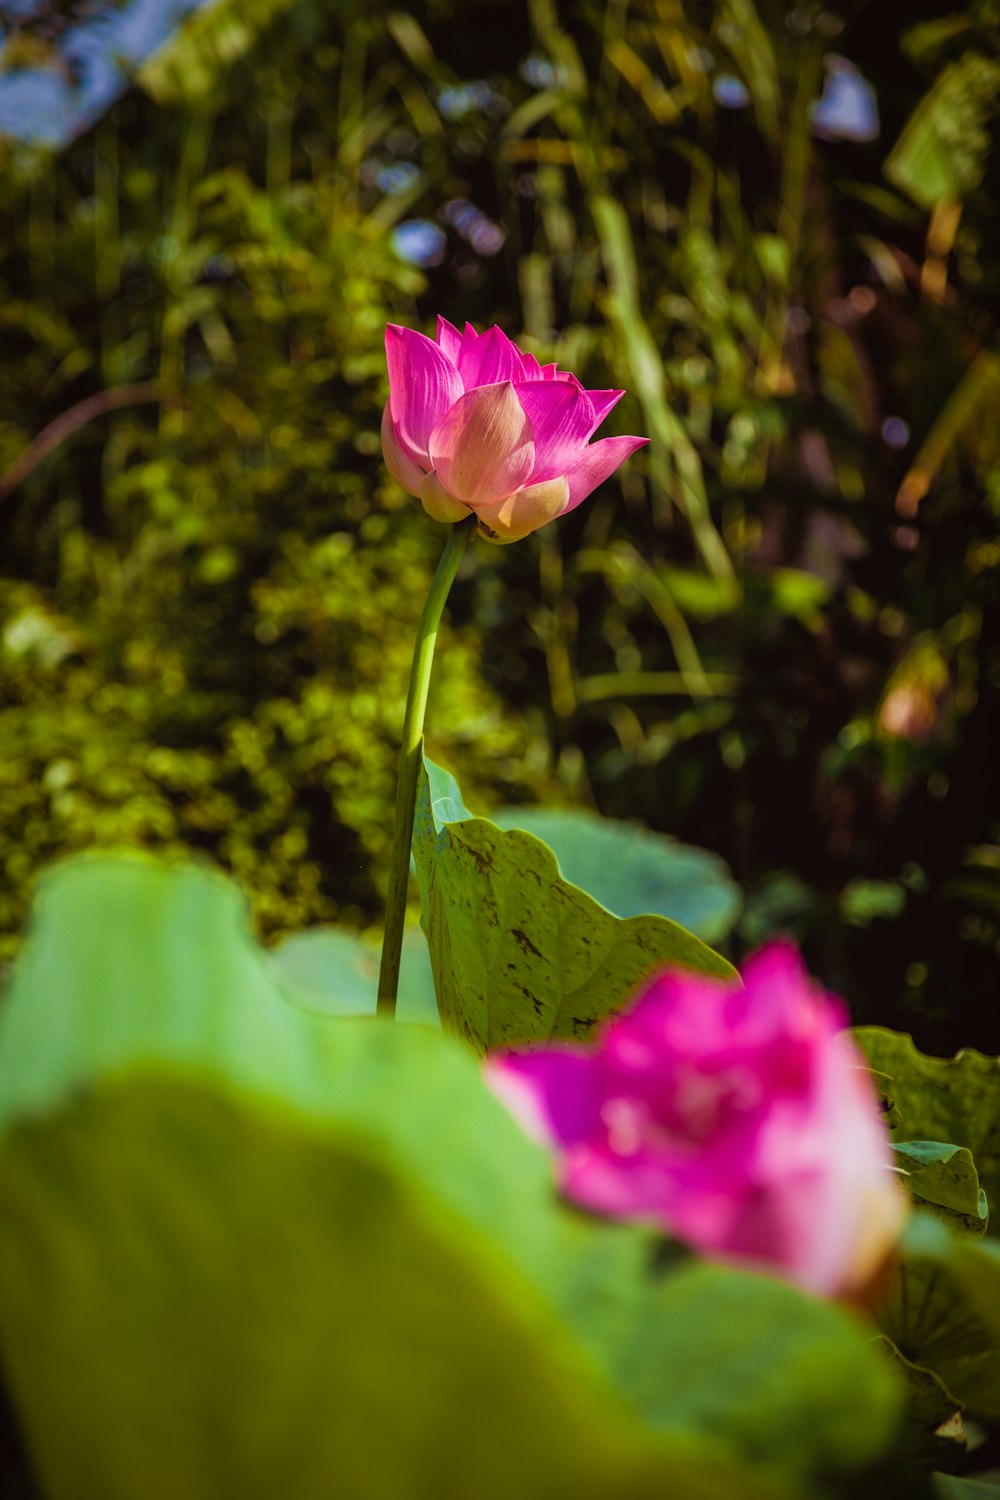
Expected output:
(409, 761)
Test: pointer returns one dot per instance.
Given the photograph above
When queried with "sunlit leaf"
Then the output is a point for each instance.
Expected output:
(519, 954)
(632, 871)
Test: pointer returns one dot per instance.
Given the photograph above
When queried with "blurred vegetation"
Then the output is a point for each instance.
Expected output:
(775, 635)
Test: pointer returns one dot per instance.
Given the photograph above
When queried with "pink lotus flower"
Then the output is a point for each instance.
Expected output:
(473, 424)
(738, 1118)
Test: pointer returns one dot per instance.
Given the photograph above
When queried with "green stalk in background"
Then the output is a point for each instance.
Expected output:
(409, 762)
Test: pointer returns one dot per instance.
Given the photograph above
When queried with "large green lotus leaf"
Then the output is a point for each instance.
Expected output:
(936, 1435)
(942, 1099)
(632, 871)
(975, 1265)
(943, 1311)
(519, 954)
(335, 973)
(943, 1180)
(247, 1251)
(741, 1354)
(202, 1301)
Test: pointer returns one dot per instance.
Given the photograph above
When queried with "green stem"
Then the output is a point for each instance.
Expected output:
(409, 762)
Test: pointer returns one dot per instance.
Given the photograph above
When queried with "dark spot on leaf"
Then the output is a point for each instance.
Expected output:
(524, 942)
(483, 862)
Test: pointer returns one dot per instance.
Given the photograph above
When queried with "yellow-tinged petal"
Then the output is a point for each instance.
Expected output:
(437, 502)
(517, 515)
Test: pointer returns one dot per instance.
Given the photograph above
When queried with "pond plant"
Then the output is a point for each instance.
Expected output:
(561, 1204)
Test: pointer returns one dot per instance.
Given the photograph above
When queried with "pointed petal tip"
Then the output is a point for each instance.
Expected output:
(448, 338)
(598, 462)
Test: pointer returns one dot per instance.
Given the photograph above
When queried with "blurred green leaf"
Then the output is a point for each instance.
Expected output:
(936, 1435)
(245, 1250)
(865, 901)
(632, 871)
(700, 595)
(239, 1201)
(797, 593)
(952, 1487)
(193, 63)
(942, 151)
(740, 1354)
(519, 954)
(783, 902)
(943, 1310)
(335, 973)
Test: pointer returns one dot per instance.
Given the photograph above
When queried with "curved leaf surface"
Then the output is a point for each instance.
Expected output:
(943, 1311)
(632, 871)
(942, 1099)
(936, 1435)
(944, 1180)
(519, 954)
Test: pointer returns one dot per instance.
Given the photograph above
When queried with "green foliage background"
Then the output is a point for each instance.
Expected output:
(775, 635)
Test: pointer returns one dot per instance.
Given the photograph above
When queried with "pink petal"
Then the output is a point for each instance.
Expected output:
(550, 1091)
(562, 419)
(603, 402)
(482, 449)
(423, 384)
(437, 502)
(679, 1015)
(404, 469)
(550, 372)
(532, 369)
(489, 359)
(517, 515)
(781, 997)
(467, 344)
(596, 463)
(648, 1187)
(449, 339)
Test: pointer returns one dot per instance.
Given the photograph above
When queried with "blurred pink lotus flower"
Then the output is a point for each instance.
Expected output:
(739, 1118)
(472, 424)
